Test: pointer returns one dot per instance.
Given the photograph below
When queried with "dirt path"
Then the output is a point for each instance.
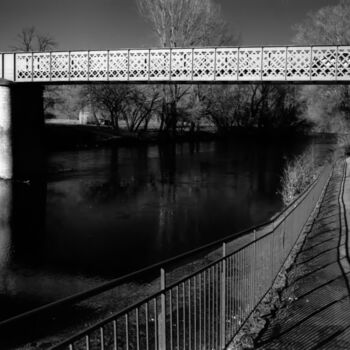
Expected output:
(316, 312)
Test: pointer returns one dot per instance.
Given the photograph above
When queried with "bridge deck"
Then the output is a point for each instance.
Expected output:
(301, 64)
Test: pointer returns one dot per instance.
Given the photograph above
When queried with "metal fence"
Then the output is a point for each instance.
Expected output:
(207, 64)
(206, 309)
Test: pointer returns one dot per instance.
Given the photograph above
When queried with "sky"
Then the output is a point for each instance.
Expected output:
(113, 24)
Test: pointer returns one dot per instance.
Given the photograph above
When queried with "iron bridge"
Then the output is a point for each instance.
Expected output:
(303, 64)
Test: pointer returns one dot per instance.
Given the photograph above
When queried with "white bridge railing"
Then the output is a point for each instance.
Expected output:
(243, 64)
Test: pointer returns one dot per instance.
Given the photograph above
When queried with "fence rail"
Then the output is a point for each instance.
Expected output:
(207, 308)
(218, 64)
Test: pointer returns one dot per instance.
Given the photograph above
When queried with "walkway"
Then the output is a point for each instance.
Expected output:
(316, 312)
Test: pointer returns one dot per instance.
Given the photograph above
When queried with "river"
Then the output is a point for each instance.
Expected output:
(101, 213)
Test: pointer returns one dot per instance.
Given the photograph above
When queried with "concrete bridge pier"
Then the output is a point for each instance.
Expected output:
(21, 130)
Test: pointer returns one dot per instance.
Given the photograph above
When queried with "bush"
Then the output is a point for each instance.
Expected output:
(298, 174)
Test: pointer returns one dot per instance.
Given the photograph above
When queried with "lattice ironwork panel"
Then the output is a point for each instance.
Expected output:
(226, 64)
(160, 64)
(24, 66)
(250, 62)
(298, 63)
(324, 63)
(60, 66)
(181, 64)
(78, 66)
(139, 65)
(41, 66)
(118, 65)
(343, 66)
(274, 63)
(203, 64)
(98, 65)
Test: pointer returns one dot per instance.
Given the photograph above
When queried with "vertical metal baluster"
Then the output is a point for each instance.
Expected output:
(228, 295)
(32, 75)
(87, 342)
(115, 334)
(234, 295)
(311, 58)
(223, 299)
(192, 65)
(262, 63)
(137, 329)
(200, 310)
(102, 340)
(213, 307)
(177, 319)
(238, 65)
(88, 65)
(184, 315)
(107, 65)
(170, 63)
(50, 66)
(286, 66)
(209, 307)
(149, 64)
(215, 64)
(171, 318)
(195, 312)
(128, 66)
(162, 316)
(147, 325)
(239, 289)
(127, 331)
(272, 256)
(189, 316)
(242, 289)
(205, 312)
(336, 63)
(217, 303)
(155, 304)
(254, 268)
(232, 311)
(69, 64)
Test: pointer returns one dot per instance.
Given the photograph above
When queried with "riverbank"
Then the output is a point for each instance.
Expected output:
(72, 136)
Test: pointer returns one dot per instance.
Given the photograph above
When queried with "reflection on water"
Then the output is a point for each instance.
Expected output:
(101, 213)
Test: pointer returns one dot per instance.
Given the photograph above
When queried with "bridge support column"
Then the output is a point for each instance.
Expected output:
(21, 130)
(6, 164)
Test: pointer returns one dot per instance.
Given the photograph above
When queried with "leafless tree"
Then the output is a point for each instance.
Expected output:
(186, 22)
(179, 23)
(30, 40)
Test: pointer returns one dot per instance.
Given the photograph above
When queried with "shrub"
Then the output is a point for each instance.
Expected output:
(298, 174)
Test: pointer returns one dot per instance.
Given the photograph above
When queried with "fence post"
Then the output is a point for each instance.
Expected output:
(254, 268)
(223, 300)
(162, 314)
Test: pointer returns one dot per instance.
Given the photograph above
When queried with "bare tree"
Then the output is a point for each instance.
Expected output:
(329, 25)
(112, 99)
(30, 40)
(183, 23)
(186, 22)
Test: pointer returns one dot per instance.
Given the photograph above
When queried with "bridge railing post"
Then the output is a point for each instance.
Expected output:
(162, 314)
(223, 300)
